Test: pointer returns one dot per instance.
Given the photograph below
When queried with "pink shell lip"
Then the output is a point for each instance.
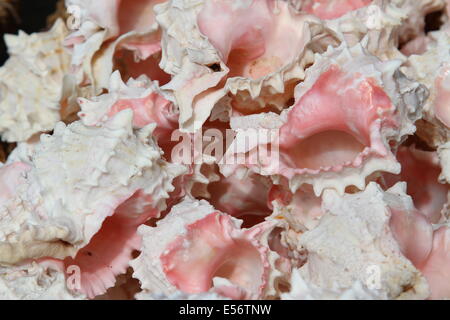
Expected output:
(436, 269)
(214, 247)
(254, 49)
(332, 9)
(109, 251)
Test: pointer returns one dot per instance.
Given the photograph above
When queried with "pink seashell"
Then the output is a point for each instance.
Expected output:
(259, 81)
(244, 196)
(222, 257)
(108, 28)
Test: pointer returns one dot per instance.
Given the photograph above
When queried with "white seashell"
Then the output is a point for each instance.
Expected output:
(40, 61)
(351, 245)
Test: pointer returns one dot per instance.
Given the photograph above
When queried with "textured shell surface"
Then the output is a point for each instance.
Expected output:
(227, 149)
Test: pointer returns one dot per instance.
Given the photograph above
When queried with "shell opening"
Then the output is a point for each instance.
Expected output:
(322, 150)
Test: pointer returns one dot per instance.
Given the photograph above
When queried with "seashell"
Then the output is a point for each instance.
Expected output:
(35, 281)
(302, 210)
(233, 263)
(102, 28)
(415, 12)
(182, 296)
(432, 68)
(142, 96)
(303, 290)
(331, 264)
(40, 61)
(72, 198)
(328, 146)
(206, 64)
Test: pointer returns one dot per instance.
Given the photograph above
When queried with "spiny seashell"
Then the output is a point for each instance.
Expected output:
(246, 62)
(331, 265)
(325, 144)
(245, 196)
(74, 197)
(238, 263)
(35, 281)
(101, 28)
(40, 61)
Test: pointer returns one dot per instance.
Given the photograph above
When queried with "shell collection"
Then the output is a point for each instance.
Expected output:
(228, 149)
